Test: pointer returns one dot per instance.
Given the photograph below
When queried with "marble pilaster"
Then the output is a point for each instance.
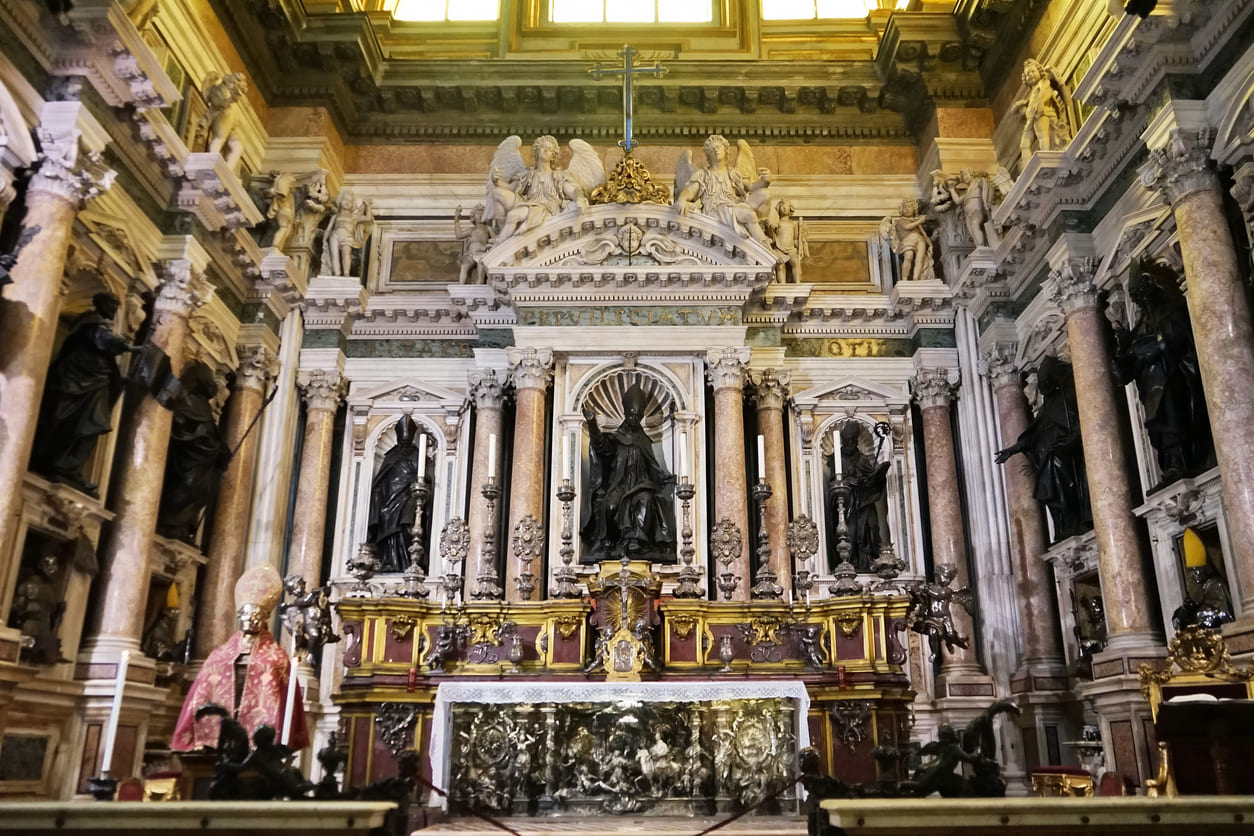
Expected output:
(487, 391)
(531, 370)
(229, 532)
(725, 368)
(934, 391)
(1121, 560)
(771, 392)
(1183, 175)
(323, 391)
(143, 442)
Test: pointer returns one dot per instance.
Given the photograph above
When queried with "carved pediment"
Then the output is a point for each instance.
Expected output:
(850, 390)
(407, 393)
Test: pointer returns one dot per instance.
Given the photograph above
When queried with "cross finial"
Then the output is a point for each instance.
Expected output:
(599, 72)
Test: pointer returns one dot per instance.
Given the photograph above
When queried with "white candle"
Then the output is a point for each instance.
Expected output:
(291, 704)
(492, 455)
(683, 455)
(761, 459)
(836, 461)
(566, 441)
(422, 455)
(115, 714)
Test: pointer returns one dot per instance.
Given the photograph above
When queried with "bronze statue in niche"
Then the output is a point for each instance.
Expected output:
(393, 504)
(197, 458)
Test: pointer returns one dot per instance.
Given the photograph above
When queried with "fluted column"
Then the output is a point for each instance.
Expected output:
(487, 391)
(1121, 560)
(1222, 331)
(531, 370)
(323, 391)
(1038, 614)
(229, 533)
(726, 370)
(934, 390)
(771, 393)
(66, 179)
(143, 443)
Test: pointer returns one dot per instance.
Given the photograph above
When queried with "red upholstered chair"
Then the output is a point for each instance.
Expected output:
(1113, 783)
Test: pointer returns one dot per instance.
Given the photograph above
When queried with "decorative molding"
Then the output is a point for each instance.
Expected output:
(934, 387)
(725, 367)
(1072, 286)
(1183, 167)
(486, 390)
(530, 368)
(771, 388)
(322, 389)
(1000, 364)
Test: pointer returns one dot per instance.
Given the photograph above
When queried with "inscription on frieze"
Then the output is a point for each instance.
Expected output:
(847, 347)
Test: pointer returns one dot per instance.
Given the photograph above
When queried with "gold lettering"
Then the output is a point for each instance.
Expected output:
(729, 315)
(665, 318)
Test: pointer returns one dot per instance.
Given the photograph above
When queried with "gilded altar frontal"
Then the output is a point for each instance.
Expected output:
(421, 415)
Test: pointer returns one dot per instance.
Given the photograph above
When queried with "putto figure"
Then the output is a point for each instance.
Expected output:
(908, 239)
(1046, 112)
(738, 197)
(521, 197)
(929, 613)
(790, 243)
(222, 93)
(349, 229)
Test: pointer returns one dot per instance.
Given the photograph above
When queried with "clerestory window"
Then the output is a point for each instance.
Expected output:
(450, 10)
(825, 9)
(631, 11)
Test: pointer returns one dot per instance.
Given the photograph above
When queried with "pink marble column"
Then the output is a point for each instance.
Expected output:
(140, 466)
(1222, 331)
(487, 391)
(1122, 563)
(934, 390)
(1038, 613)
(531, 370)
(66, 179)
(726, 370)
(771, 392)
(215, 617)
(323, 391)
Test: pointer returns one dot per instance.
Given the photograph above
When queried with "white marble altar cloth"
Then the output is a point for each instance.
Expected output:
(566, 692)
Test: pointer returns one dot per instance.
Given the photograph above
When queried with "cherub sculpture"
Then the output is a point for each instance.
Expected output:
(476, 241)
(307, 615)
(789, 241)
(908, 239)
(736, 196)
(221, 93)
(521, 197)
(1046, 112)
(351, 225)
(929, 613)
(972, 192)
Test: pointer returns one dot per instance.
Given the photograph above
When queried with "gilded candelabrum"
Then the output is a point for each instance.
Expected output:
(764, 585)
(415, 584)
(565, 577)
(487, 586)
(846, 574)
(689, 574)
(454, 546)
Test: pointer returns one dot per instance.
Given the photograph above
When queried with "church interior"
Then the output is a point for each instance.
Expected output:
(590, 408)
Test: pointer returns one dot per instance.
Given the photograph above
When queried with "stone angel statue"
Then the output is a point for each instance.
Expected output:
(521, 197)
(1046, 112)
(736, 196)
(295, 205)
(217, 125)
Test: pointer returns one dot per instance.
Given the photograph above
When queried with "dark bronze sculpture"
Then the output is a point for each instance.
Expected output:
(37, 610)
(83, 385)
(929, 612)
(197, 456)
(867, 478)
(1052, 445)
(977, 746)
(307, 615)
(393, 506)
(630, 510)
(1207, 604)
(1159, 356)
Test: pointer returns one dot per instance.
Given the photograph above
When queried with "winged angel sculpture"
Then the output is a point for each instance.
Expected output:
(737, 196)
(521, 196)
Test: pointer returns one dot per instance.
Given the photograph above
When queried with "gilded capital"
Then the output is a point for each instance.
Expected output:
(725, 367)
(530, 368)
(1182, 167)
(68, 172)
(322, 388)
(999, 366)
(934, 387)
(1072, 286)
(486, 389)
(771, 388)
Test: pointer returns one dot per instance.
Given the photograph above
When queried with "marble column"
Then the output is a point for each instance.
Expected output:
(1121, 560)
(139, 470)
(1222, 331)
(531, 370)
(228, 535)
(725, 368)
(934, 390)
(66, 179)
(323, 390)
(487, 391)
(771, 392)
(1038, 613)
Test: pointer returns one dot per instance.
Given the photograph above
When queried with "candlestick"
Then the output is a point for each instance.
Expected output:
(836, 459)
(291, 700)
(491, 455)
(761, 458)
(115, 714)
(422, 455)
(565, 457)
(683, 455)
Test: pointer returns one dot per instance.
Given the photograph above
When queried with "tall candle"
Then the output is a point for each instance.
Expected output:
(761, 459)
(115, 713)
(422, 455)
(836, 462)
(566, 457)
(291, 703)
(683, 455)
(492, 455)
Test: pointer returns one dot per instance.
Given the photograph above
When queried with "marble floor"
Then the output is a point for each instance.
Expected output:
(655, 826)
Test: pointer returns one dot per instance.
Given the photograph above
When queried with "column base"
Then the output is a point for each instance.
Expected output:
(140, 701)
(962, 695)
(1239, 635)
(1125, 653)
(1048, 715)
(1128, 738)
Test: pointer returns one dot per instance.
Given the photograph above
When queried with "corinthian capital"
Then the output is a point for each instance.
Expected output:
(1182, 167)
(322, 388)
(1071, 286)
(725, 367)
(771, 388)
(934, 387)
(999, 366)
(183, 288)
(67, 171)
(486, 389)
(530, 368)
(256, 366)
